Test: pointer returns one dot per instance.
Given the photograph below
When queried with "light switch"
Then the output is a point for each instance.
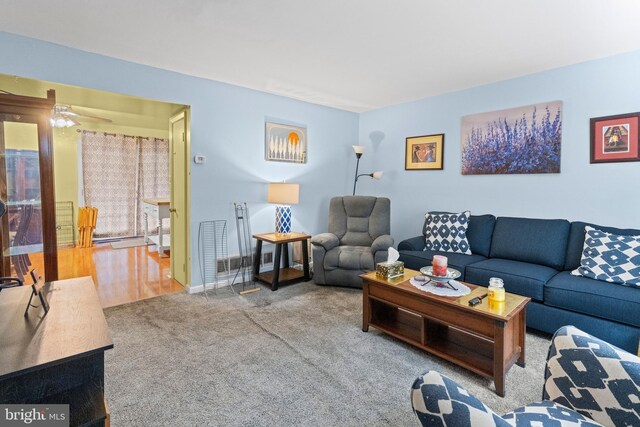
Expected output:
(199, 159)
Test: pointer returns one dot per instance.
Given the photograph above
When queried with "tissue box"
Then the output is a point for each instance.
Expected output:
(390, 270)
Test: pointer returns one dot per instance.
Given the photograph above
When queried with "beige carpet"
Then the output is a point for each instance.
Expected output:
(294, 357)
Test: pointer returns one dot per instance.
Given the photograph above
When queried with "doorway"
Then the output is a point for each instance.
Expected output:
(136, 132)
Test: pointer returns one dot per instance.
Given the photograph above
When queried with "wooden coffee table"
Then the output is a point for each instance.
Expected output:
(486, 339)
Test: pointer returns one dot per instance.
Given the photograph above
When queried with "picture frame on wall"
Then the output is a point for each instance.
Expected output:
(285, 143)
(615, 138)
(424, 152)
(517, 140)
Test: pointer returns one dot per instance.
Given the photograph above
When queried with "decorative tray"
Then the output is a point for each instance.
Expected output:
(452, 274)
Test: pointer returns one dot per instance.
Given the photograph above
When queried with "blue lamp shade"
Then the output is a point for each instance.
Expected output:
(283, 195)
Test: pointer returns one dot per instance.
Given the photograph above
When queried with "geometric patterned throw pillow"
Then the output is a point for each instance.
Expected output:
(610, 258)
(593, 378)
(447, 232)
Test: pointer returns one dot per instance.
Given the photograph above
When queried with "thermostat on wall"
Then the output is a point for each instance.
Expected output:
(199, 159)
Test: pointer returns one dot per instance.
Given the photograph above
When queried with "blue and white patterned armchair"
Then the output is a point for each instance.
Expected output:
(588, 382)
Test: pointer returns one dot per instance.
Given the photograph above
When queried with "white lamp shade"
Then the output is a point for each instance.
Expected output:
(377, 174)
(283, 193)
(358, 149)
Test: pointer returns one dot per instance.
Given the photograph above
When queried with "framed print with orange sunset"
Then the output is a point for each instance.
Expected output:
(615, 138)
(285, 143)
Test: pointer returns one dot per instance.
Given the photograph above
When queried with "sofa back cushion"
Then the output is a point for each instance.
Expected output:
(358, 220)
(538, 241)
(479, 233)
(576, 241)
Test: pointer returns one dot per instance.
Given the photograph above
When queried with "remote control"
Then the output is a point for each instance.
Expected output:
(477, 300)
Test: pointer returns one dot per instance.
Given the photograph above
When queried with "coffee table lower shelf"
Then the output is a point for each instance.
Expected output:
(456, 345)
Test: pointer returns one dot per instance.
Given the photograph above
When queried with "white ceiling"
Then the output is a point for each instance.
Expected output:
(352, 54)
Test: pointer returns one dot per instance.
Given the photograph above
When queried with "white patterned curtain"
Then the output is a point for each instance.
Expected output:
(153, 175)
(118, 172)
(109, 175)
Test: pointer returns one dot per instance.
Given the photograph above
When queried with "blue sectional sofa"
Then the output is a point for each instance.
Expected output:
(535, 258)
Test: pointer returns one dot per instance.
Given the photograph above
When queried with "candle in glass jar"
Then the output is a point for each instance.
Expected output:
(439, 264)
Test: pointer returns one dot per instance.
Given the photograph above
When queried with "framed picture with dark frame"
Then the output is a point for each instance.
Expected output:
(424, 152)
(615, 138)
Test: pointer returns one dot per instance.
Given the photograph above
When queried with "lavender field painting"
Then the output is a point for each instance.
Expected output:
(514, 141)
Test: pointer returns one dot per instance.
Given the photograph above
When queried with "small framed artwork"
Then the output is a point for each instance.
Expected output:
(615, 138)
(424, 152)
(284, 143)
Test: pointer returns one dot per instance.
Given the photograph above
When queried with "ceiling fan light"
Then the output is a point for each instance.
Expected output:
(60, 122)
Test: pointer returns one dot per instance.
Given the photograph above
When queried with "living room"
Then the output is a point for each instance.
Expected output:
(298, 356)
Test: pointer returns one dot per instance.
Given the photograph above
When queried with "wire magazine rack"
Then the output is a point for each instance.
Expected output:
(213, 253)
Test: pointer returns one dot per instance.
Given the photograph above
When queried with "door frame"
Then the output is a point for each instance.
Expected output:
(38, 111)
(184, 114)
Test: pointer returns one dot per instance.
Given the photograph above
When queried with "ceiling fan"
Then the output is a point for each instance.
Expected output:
(63, 116)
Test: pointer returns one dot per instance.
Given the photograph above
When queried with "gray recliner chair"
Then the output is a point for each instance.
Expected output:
(358, 238)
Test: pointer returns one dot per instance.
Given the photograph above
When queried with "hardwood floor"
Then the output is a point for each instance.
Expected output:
(120, 275)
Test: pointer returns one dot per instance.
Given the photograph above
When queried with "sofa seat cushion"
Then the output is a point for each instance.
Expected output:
(418, 259)
(349, 258)
(519, 277)
(594, 297)
(547, 413)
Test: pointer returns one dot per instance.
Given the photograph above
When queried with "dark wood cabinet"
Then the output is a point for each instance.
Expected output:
(34, 173)
(57, 358)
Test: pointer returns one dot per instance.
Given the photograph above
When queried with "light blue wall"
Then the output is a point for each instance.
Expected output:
(607, 194)
(227, 126)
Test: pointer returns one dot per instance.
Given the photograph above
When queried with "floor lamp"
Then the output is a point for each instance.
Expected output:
(359, 149)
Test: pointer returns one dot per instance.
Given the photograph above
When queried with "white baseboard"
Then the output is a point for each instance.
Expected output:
(226, 280)
(200, 288)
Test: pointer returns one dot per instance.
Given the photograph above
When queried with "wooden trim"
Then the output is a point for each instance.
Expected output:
(48, 199)
(13, 103)
(5, 262)
(26, 109)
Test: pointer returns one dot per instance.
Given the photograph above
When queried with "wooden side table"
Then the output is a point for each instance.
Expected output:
(285, 274)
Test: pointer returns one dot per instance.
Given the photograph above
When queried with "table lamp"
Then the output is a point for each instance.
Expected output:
(283, 195)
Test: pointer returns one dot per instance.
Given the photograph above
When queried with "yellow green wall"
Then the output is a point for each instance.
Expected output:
(21, 136)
